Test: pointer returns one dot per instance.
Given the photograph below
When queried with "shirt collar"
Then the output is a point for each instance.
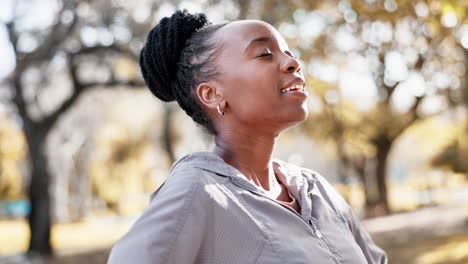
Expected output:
(291, 176)
(300, 182)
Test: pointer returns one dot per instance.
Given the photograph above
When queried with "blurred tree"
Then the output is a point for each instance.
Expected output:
(80, 46)
(453, 156)
(123, 166)
(415, 58)
(406, 45)
(78, 41)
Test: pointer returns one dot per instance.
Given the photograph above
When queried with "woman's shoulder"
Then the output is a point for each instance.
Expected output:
(186, 177)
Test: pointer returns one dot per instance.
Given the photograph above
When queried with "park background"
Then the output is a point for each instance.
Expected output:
(83, 143)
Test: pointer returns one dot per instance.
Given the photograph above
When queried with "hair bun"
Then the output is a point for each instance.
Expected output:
(162, 50)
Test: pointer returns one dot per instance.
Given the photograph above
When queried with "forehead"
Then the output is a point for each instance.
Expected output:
(238, 34)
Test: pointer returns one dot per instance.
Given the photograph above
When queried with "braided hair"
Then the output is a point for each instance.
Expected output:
(178, 55)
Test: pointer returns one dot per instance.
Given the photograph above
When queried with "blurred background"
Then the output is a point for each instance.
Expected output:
(83, 143)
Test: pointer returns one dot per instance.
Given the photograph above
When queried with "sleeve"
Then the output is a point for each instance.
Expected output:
(373, 253)
(170, 230)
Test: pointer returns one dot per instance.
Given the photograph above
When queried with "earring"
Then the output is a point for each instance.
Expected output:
(219, 110)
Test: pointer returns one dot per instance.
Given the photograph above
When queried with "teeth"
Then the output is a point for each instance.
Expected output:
(294, 87)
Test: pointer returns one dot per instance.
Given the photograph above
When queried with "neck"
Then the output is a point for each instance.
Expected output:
(251, 154)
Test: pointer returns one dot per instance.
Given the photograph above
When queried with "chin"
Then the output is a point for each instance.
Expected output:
(302, 117)
(297, 117)
(302, 114)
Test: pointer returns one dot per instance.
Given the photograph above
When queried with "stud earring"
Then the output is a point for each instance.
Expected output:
(219, 110)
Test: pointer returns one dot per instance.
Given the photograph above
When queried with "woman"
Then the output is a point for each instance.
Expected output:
(237, 204)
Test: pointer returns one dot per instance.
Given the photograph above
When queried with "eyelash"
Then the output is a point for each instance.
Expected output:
(268, 54)
(290, 54)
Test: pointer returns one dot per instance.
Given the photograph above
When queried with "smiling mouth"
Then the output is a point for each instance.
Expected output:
(297, 89)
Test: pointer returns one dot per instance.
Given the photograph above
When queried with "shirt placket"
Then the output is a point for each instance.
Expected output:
(309, 222)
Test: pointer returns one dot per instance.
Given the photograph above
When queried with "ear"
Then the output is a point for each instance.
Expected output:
(210, 94)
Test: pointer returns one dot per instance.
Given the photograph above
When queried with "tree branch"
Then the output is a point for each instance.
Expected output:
(52, 41)
(100, 48)
(79, 88)
(13, 37)
(390, 90)
(114, 83)
(18, 99)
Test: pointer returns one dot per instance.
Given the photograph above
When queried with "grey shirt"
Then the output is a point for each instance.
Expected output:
(208, 212)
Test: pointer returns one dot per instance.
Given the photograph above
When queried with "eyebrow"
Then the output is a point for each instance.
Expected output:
(256, 40)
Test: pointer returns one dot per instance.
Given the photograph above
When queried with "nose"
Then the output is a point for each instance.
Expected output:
(291, 64)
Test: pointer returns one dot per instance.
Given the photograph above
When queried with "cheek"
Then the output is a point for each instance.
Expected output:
(253, 77)
(251, 91)
(253, 95)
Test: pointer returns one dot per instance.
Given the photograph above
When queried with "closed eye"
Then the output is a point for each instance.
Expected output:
(266, 54)
(290, 54)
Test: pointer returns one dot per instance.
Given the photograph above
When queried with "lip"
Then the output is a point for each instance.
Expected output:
(295, 93)
(296, 81)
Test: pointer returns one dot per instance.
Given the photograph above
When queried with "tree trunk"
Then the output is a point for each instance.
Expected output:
(360, 166)
(368, 200)
(40, 215)
(383, 150)
(343, 179)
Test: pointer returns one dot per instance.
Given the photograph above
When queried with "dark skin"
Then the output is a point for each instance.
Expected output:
(255, 65)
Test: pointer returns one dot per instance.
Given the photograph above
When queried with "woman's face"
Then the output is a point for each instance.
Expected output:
(256, 67)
